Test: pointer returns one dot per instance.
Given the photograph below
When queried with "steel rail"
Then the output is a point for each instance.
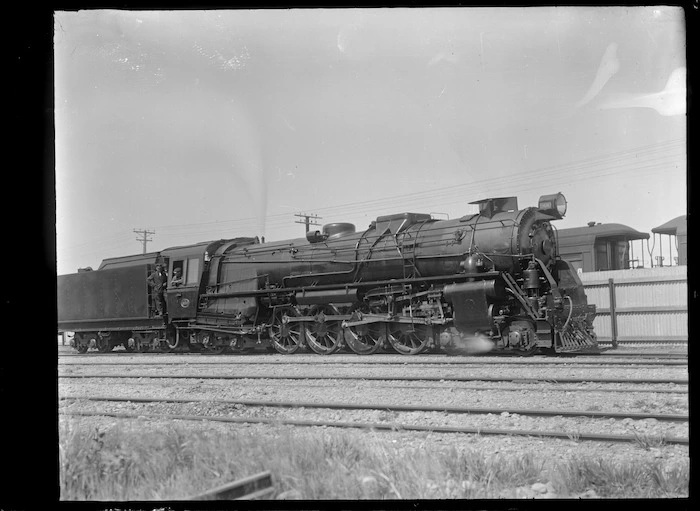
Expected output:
(390, 426)
(396, 408)
(570, 356)
(379, 378)
(519, 389)
(515, 388)
(653, 354)
(364, 361)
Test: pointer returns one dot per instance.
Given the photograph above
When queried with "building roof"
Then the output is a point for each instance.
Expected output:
(675, 227)
(591, 232)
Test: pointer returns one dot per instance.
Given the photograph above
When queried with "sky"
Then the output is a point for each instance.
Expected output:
(202, 125)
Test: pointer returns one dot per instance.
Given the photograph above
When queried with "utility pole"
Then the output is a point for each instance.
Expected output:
(307, 220)
(145, 238)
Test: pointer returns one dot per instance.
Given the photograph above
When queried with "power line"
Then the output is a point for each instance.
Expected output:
(307, 219)
(640, 158)
(579, 166)
(145, 238)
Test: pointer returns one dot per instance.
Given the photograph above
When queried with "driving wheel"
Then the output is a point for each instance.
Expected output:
(286, 337)
(410, 338)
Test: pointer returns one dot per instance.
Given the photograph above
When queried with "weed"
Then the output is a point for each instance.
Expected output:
(574, 437)
(174, 462)
(621, 480)
(649, 441)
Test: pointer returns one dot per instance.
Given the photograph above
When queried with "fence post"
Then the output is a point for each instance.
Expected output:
(613, 315)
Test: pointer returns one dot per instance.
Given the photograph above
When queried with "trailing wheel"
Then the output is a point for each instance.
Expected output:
(365, 339)
(240, 344)
(143, 342)
(216, 350)
(324, 334)
(410, 338)
(286, 337)
(213, 344)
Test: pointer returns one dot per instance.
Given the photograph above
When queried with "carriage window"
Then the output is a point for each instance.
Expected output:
(601, 256)
(192, 271)
(611, 255)
(620, 255)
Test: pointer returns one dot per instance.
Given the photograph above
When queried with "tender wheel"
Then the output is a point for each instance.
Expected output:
(365, 339)
(410, 339)
(130, 344)
(103, 343)
(82, 342)
(286, 337)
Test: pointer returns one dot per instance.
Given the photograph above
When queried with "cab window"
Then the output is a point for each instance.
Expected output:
(178, 264)
(192, 275)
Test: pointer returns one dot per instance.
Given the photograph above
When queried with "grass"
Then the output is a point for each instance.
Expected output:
(128, 462)
(648, 442)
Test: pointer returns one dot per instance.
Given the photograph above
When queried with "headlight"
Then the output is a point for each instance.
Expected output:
(554, 205)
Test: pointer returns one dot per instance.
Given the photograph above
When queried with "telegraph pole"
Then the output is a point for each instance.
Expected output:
(307, 220)
(145, 238)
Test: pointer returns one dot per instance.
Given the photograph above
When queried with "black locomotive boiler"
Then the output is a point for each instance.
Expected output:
(409, 282)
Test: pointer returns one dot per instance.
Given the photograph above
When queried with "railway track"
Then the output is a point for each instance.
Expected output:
(500, 388)
(387, 426)
(635, 413)
(505, 405)
(381, 386)
(378, 360)
(446, 378)
(341, 357)
(395, 407)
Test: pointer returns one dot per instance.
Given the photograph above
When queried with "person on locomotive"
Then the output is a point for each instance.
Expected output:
(158, 281)
(177, 277)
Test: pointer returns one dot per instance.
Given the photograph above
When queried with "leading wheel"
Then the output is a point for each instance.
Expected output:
(410, 338)
(286, 337)
(324, 334)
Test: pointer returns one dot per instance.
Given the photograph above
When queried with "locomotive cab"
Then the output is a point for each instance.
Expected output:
(182, 299)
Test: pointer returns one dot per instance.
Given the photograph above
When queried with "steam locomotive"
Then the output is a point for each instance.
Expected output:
(409, 282)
